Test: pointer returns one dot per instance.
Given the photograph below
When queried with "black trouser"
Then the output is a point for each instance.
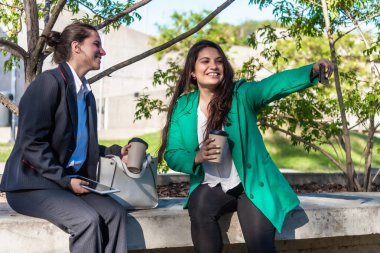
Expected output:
(207, 205)
(96, 223)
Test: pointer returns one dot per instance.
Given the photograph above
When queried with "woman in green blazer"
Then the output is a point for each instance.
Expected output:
(247, 180)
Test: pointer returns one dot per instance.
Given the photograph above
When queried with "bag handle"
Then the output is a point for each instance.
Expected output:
(121, 164)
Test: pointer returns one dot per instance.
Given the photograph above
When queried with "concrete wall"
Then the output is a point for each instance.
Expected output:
(346, 244)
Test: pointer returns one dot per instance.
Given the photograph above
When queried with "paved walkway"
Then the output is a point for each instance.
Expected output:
(5, 134)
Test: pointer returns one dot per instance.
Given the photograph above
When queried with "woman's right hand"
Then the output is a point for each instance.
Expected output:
(208, 151)
(76, 186)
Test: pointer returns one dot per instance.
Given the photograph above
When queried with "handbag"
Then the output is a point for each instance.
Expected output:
(137, 191)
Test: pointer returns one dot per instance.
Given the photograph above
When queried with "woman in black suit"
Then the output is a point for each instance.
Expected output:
(57, 139)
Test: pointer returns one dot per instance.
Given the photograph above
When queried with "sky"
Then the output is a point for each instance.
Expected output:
(159, 11)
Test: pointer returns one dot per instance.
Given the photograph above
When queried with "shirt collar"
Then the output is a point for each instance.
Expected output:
(78, 82)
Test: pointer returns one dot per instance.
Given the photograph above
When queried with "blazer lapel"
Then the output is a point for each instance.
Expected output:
(93, 148)
(92, 117)
(191, 120)
(234, 130)
(71, 95)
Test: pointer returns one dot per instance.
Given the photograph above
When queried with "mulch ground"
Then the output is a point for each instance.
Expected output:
(181, 189)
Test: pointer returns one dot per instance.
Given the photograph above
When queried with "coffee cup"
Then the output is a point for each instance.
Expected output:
(220, 138)
(136, 154)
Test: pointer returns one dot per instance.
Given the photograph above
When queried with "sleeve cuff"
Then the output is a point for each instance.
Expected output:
(313, 79)
(113, 150)
(65, 182)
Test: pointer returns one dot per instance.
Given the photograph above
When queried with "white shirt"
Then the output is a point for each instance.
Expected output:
(223, 173)
(80, 153)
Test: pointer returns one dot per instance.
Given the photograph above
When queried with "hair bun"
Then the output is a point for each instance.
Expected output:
(53, 38)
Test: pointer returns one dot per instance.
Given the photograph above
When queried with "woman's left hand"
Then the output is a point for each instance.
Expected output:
(124, 153)
(329, 67)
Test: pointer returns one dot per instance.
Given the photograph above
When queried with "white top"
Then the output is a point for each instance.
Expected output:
(223, 173)
(80, 153)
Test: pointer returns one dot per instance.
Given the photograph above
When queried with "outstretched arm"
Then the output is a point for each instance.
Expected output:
(274, 87)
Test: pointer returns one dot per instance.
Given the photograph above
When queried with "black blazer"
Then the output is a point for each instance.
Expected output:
(46, 136)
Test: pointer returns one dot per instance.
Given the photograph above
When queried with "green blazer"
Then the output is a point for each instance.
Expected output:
(263, 183)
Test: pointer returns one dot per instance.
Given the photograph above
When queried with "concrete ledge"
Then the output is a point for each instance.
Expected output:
(299, 178)
(319, 216)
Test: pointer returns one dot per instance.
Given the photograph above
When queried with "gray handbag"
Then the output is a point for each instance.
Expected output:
(137, 191)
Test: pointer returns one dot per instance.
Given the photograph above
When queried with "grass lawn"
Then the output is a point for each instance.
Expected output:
(288, 156)
(283, 153)
(153, 140)
(295, 157)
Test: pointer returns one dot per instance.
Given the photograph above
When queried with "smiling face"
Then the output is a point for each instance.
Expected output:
(208, 69)
(91, 52)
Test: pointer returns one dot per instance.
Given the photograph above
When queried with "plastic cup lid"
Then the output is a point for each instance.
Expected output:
(135, 139)
(218, 132)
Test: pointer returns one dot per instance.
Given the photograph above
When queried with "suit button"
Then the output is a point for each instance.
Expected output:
(261, 184)
(249, 165)
(251, 196)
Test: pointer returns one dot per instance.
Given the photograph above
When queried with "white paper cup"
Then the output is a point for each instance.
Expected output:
(136, 154)
(220, 137)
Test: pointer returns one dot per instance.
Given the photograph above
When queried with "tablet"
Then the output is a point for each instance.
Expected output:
(97, 187)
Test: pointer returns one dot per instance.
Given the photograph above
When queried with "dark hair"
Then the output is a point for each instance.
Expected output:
(219, 105)
(61, 42)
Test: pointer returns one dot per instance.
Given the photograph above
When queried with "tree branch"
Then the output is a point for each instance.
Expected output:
(336, 151)
(8, 104)
(183, 36)
(300, 139)
(122, 14)
(90, 9)
(357, 124)
(13, 48)
(354, 28)
(53, 18)
(371, 60)
(46, 11)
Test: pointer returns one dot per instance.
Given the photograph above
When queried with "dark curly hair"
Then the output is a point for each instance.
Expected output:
(219, 105)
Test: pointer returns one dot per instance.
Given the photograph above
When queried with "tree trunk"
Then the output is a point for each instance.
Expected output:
(352, 183)
(30, 72)
(32, 34)
(371, 128)
(31, 22)
(368, 155)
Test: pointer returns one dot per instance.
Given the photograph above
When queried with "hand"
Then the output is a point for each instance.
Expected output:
(76, 186)
(124, 153)
(329, 67)
(207, 151)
